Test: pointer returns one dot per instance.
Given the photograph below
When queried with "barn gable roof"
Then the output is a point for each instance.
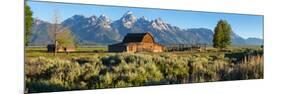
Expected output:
(136, 37)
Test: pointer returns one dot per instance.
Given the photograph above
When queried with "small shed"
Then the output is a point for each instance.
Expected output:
(52, 47)
(137, 42)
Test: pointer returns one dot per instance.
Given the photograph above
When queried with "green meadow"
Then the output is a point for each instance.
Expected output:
(95, 68)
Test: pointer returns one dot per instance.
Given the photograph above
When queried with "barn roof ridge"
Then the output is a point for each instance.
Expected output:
(135, 37)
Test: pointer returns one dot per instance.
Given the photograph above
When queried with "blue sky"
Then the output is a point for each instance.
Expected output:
(243, 25)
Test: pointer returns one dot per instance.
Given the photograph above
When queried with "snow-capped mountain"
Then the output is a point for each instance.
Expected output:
(102, 30)
(128, 20)
(93, 29)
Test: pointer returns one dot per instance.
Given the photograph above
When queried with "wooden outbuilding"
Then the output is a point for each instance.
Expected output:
(137, 42)
(52, 47)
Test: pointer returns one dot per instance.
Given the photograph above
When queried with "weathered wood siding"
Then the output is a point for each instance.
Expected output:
(143, 42)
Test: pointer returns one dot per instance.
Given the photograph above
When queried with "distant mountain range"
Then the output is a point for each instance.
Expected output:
(101, 30)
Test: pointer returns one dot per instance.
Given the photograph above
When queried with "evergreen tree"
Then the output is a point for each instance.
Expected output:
(28, 23)
(222, 36)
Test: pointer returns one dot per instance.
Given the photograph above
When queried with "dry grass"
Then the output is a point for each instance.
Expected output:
(92, 70)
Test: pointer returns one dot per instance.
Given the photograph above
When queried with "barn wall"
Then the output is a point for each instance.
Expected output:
(158, 48)
(145, 47)
(147, 39)
(146, 44)
(132, 47)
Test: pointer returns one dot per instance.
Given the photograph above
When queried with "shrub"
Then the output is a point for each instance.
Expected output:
(45, 74)
(250, 68)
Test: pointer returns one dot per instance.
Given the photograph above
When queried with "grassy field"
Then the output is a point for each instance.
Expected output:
(94, 67)
(80, 51)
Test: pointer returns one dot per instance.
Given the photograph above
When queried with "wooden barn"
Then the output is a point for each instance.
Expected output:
(137, 42)
(51, 48)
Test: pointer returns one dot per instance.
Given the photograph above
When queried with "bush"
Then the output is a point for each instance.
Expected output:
(250, 68)
(45, 74)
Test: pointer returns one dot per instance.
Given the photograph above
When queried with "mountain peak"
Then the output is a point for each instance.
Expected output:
(37, 21)
(93, 16)
(143, 18)
(103, 17)
(74, 19)
(128, 19)
(129, 13)
(128, 16)
(254, 41)
(77, 16)
(159, 24)
(159, 21)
